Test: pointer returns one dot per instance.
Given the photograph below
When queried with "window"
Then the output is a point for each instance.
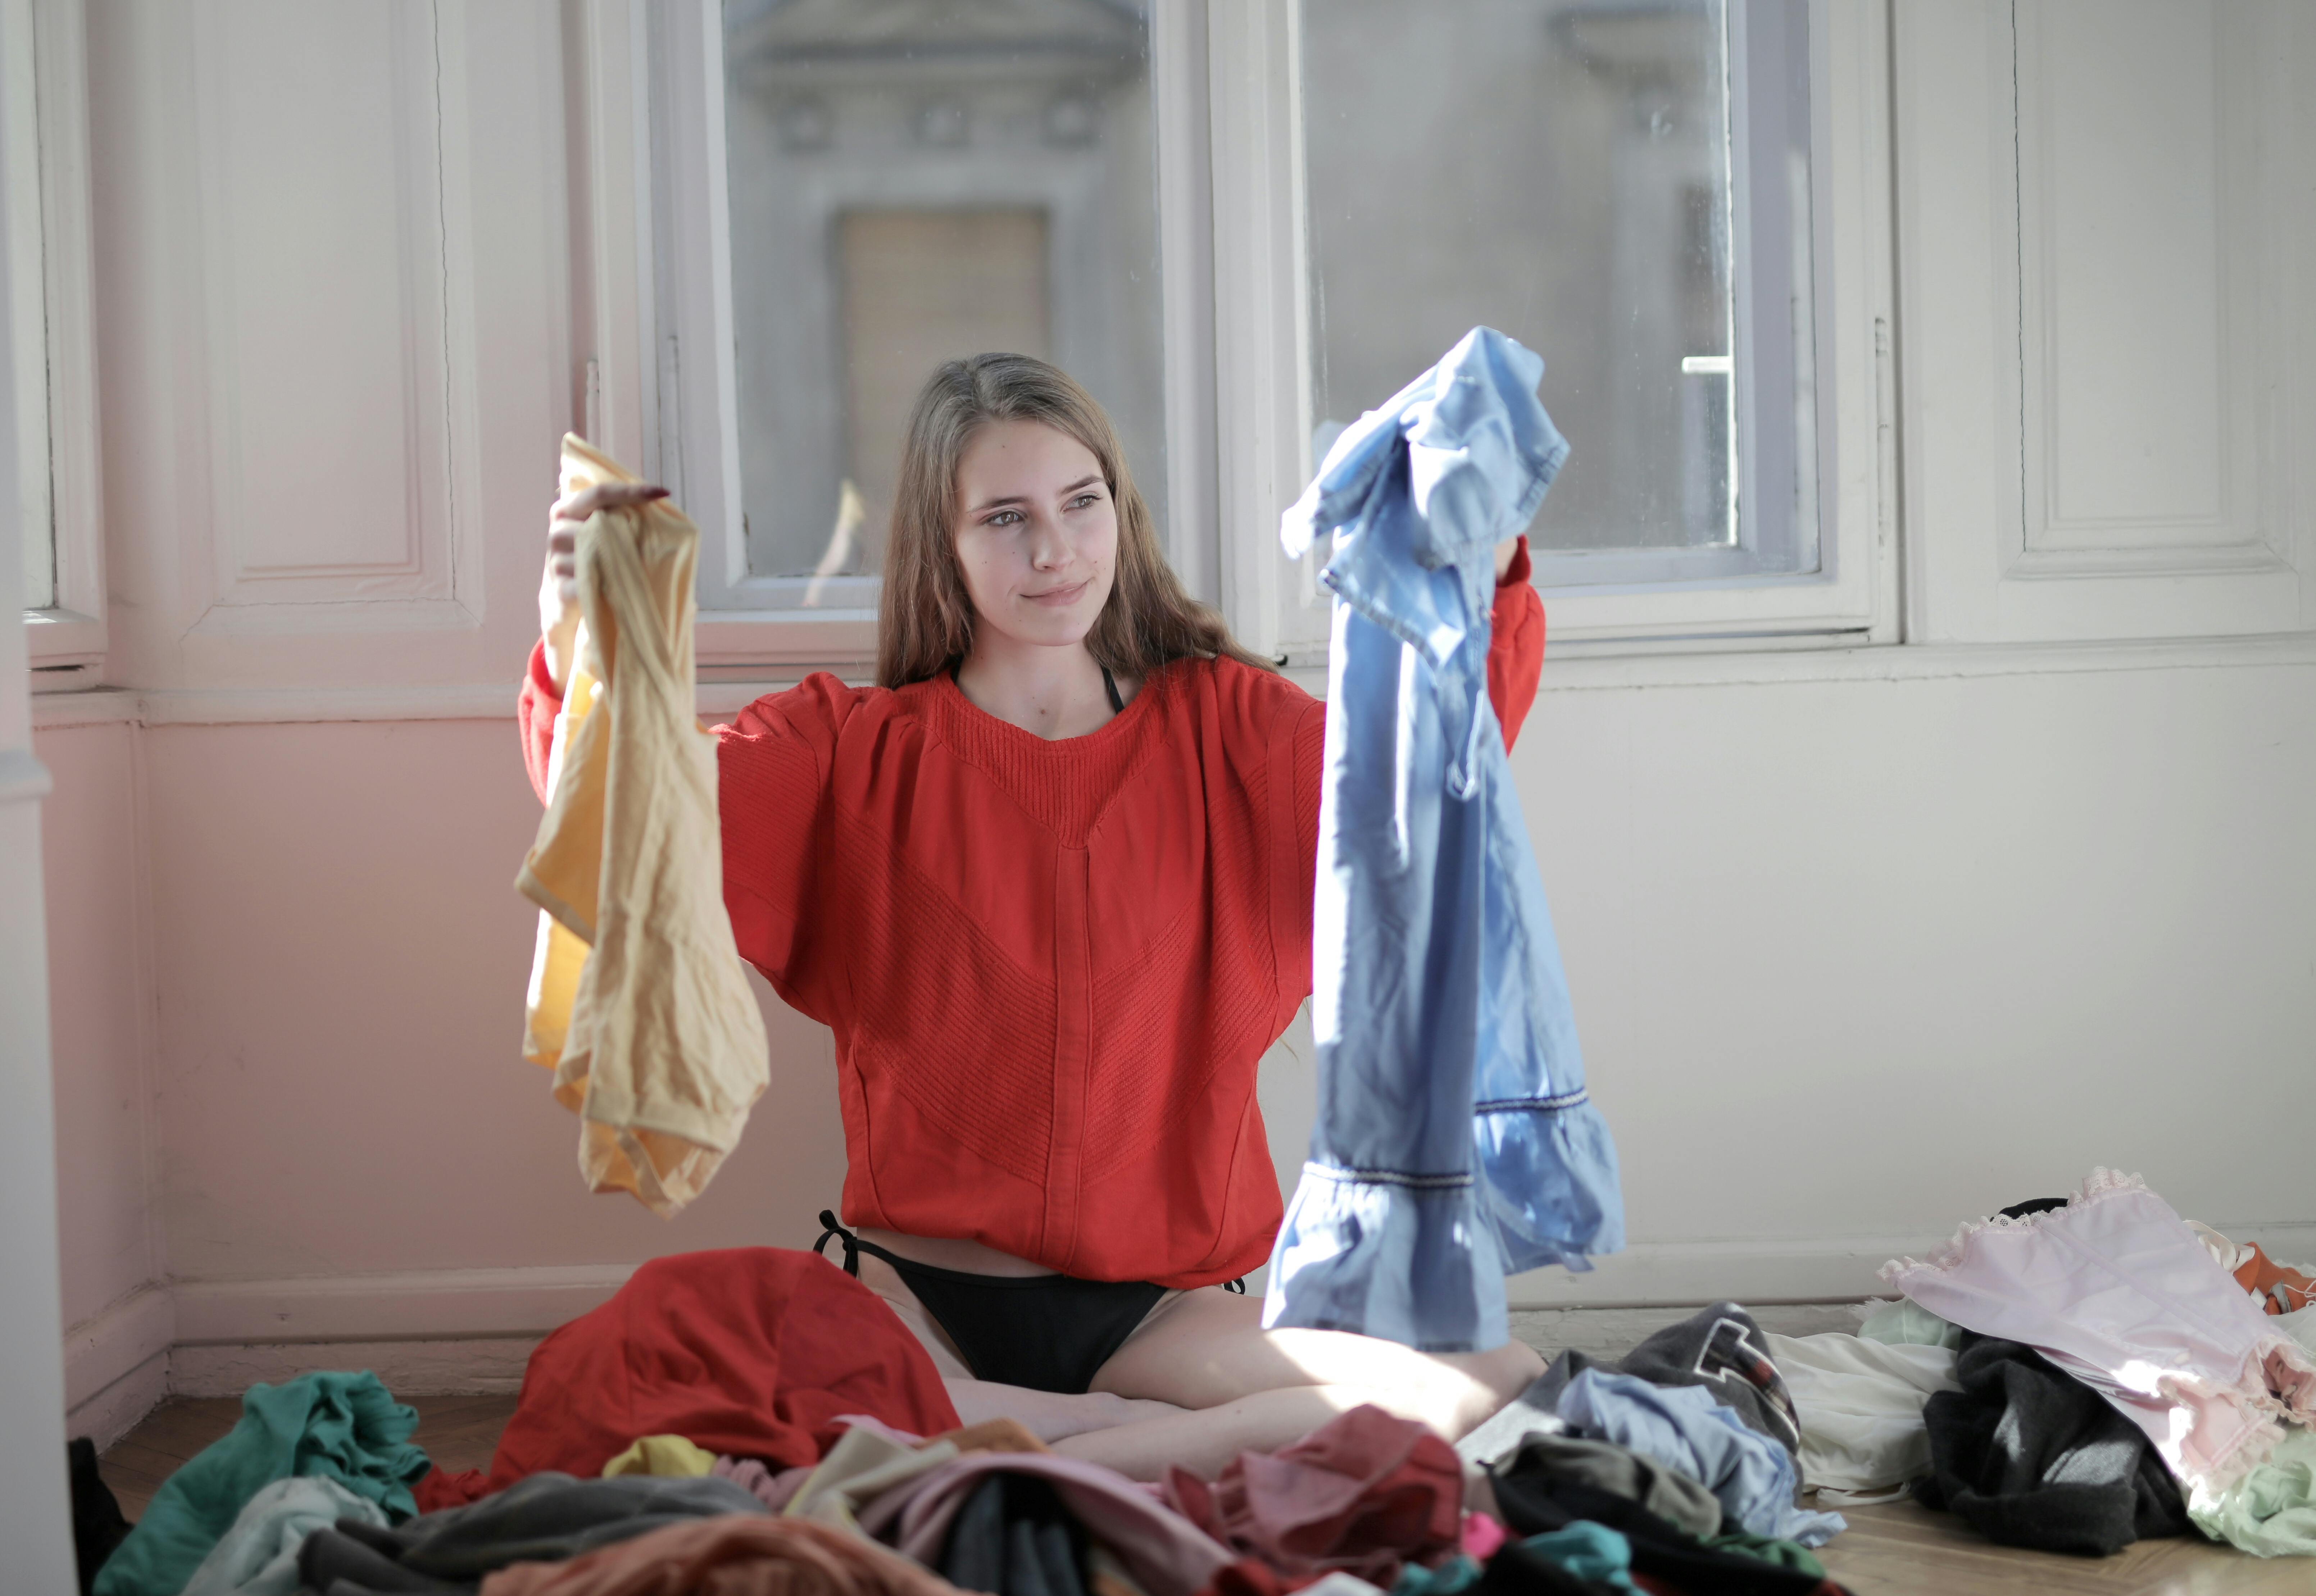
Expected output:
(838, 194)
(20, 180)
(902, 184)
(44, 209)
(1564, 172)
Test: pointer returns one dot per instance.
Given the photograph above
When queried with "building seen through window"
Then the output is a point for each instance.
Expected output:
(911, 181)
(1620, 185)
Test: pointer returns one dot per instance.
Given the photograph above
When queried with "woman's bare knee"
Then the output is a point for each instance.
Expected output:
(1481, 1384)
(1509, 1369)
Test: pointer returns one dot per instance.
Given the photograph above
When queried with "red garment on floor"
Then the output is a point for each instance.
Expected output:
(1365, 1493)
(751, 1352)
(437, 1490)
(1051, 967)
(1249, 1576)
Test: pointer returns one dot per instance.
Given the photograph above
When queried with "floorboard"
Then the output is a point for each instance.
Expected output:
(1905, 1548)
(457, 1432)
(1899, 1547)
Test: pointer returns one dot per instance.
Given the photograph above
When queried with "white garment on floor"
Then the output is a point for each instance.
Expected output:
(1860, 1406)
(2114, 1289)
(1903, 1324)
(258, 1556)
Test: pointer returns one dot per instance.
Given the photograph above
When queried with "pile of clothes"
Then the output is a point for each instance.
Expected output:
(1689, 1449)
(2089, 1371)
(2071, 1375)
(755, 1420)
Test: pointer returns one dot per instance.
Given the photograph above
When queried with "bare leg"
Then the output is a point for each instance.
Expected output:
(1255, 1389)
(1051, 1415)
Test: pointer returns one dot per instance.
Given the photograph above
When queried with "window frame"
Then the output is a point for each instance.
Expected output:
(1851, 597)
(1225, 95)
(44, 46)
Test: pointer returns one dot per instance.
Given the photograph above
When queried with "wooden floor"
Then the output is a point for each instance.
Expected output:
(1906, 1548)
(457, 1432)
(1900, 1548)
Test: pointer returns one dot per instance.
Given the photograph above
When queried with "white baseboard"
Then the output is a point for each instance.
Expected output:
(1611, 1333)
(1668, 1273)
(445, 1305)
(478, 1367)
(108, 1414)
(456, 1332)
(103, 1349)
(1839, 1269)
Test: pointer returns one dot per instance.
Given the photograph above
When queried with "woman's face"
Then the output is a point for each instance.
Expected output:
(1037, 532)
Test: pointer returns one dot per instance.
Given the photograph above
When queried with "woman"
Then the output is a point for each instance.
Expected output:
(1049, 882)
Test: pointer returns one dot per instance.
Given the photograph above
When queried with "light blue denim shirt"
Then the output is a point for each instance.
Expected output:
(1455, 1142)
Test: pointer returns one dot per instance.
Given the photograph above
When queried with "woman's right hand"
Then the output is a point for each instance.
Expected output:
(558, 584)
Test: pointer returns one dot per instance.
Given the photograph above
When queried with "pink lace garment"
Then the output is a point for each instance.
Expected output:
(2115, 1289)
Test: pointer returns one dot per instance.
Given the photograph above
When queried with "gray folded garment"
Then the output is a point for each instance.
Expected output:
(544, 1519)
(1679, 1500)
(1719, 1347)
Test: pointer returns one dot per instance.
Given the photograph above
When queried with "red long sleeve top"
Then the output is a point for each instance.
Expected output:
(1051, 966)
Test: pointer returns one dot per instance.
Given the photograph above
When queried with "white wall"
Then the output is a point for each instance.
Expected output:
(94, 856)
(1862, 942)
(1853, 958)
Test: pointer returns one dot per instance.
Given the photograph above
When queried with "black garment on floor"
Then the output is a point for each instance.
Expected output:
(98, 1524)
(1014, 1538)
(1533, 1503)
(546, 1519)
(334, 1563)
(2034, 1205)
(1515, 1571)
(2029, 1455)
(1050, 1333)
(1719, 1347)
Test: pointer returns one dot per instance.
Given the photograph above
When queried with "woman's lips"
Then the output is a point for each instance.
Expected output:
(1059, 597)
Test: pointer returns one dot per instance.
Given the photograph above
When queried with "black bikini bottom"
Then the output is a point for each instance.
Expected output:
(1050, 1333)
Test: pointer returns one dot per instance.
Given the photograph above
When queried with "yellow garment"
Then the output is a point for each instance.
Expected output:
(667, 1456)
(639, 999)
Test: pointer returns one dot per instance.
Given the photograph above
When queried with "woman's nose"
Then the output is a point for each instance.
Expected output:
(1047, 548)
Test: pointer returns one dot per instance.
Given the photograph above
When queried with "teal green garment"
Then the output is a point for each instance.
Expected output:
(1784, 1553)
(1903, 1323)
(2271, 1512)
(1588, 1551)
(1457, 1573)
(344, 1427)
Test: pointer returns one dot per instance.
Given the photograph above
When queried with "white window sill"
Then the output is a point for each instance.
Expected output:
(63, 637)
(1569, 668)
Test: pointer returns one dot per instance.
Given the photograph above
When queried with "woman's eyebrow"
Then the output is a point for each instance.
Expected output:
(989, 505)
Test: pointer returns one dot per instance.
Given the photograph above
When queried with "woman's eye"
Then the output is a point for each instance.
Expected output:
(1003, 518)
(1082, 500)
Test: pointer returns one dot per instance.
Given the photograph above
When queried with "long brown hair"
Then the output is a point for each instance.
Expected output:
(925, 620)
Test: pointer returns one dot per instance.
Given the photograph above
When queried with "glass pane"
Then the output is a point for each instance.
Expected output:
(910, 182)
(1559, 171)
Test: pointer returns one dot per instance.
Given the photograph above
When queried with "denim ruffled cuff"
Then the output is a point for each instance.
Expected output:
(1407, 1258)
(1549, 1187)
